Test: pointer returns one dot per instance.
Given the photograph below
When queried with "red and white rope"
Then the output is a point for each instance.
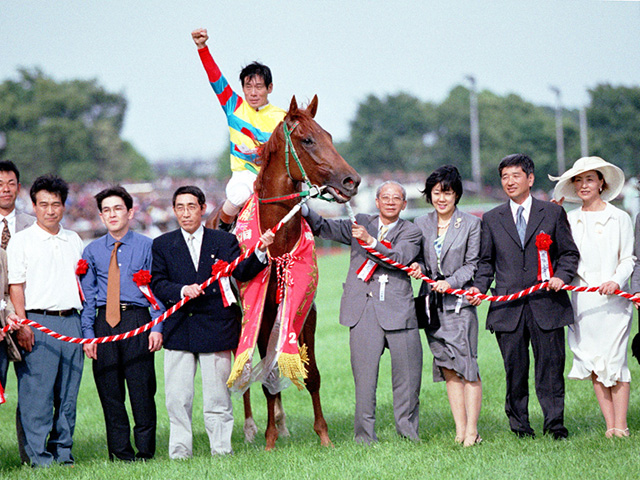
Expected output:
(226, 271)
(481, 296)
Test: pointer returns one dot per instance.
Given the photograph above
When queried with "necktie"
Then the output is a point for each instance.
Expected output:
(521, 225)
(192, 251)
(113, 288)
(383, 232)
(6, 234)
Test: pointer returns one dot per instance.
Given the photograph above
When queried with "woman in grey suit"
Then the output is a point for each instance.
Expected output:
(450, 250)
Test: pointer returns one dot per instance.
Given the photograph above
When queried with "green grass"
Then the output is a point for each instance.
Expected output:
(586, 454)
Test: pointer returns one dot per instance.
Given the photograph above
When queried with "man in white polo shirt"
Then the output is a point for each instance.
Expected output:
(42, 262)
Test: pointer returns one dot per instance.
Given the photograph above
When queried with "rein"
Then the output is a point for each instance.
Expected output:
(313, 190)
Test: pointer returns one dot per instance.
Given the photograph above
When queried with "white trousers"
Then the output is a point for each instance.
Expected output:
(240, 187)
(179, 372)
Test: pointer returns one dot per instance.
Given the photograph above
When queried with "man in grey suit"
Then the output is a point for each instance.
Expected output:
(11, 222)
(377, 305)
(508, 252)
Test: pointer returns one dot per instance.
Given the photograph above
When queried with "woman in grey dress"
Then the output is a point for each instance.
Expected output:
(451, 245)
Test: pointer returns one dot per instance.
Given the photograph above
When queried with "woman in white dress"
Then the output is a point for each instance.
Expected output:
(604, 236)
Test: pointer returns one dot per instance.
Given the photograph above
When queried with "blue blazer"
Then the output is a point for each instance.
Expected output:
(203, 324)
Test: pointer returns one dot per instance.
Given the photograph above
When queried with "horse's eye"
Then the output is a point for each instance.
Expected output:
(308, 141)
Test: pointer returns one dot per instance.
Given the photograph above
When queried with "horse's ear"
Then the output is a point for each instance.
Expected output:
(313, 106)
(293, 108)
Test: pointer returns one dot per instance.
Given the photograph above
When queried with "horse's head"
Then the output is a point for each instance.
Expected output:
(318, 159)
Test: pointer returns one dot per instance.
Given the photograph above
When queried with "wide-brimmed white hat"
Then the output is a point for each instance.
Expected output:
(613, 176)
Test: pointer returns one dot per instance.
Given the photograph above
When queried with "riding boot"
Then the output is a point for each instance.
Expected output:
(224, 226)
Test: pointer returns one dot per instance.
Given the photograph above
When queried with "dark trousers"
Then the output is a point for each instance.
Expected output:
(126, 361)
(549, 356)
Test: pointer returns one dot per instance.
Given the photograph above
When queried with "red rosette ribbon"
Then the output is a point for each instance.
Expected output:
(142, 278)
(545, 270)
(220, 268)
(81, 268)
(365, 272)
(2, 400)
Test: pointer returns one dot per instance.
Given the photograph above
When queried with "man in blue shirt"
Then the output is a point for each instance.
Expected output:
(114, 304)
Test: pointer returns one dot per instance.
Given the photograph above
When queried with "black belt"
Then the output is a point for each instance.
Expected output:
(124, 307)
(54, 313)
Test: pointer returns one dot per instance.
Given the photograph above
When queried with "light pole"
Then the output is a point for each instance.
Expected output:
(475, 134)
(584, 140)
(559, 131)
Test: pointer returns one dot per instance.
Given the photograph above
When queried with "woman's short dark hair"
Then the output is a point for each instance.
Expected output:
(115, 191)
(191, 190)
(49, 183)
(449, 179)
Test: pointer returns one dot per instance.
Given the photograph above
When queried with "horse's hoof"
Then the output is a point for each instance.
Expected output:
(250, 429)
(283, 431)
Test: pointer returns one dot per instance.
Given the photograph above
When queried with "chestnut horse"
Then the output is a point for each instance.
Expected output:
(281, 175)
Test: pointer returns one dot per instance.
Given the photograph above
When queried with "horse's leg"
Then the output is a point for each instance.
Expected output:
(281, 418)
(313, 379)
(250, 428)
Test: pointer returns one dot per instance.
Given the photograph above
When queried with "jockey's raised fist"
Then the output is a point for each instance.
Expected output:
(200, 37)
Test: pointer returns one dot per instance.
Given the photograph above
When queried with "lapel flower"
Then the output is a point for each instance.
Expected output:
(458, 222)
(543, 241)
(142, 277)
(82, 267)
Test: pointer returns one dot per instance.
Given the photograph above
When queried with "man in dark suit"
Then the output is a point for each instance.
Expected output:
(379, 309)
(203, 331)
(508, 252)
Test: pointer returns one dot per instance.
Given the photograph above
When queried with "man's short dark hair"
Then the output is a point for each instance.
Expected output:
(9, 166)
(448, 177)
(49, 183)
(517, 160)
(256, 69)
(115, 191)
(192, 190)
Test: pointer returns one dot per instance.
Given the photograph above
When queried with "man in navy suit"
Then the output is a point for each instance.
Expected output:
(509, 254)
(203, 331)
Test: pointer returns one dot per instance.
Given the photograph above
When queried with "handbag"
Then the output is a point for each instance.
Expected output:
(427, 306)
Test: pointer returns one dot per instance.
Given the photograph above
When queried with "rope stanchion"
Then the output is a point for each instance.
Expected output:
(481, 296)
(225, 272)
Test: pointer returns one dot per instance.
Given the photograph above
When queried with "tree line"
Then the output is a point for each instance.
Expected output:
(401, 132)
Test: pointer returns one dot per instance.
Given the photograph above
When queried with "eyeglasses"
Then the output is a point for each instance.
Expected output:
(118, 209)
(391, 199)
(190, 207)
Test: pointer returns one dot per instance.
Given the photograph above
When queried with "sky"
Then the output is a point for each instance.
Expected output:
(340, 50)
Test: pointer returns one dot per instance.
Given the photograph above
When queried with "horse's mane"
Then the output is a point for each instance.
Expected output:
(269, 150)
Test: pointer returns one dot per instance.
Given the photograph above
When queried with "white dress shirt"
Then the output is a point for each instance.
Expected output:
(11, 221)
(527, 209)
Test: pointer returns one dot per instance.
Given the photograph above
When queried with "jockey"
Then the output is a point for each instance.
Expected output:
(251, 120)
